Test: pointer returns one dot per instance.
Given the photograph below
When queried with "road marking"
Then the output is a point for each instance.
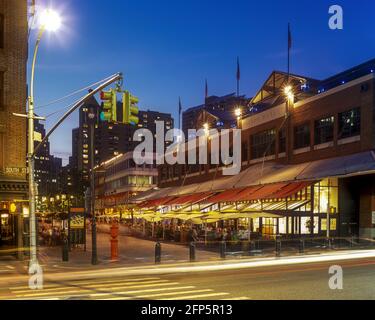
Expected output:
(95, 286)
(140, 291)
(236, 299)
(200, 296)
(63, 293)
(86, 282)
(153, 295)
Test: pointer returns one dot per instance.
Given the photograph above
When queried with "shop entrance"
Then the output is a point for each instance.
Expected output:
(6, 228)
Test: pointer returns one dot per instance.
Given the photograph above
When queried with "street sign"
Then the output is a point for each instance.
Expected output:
(77, 226)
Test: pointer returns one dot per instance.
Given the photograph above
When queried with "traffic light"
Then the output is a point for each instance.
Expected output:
(130, 109)
(109, 99)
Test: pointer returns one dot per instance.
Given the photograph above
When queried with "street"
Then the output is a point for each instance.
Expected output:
(282, 282)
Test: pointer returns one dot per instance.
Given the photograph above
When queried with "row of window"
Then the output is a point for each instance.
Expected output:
(131, 181)
(264, 143)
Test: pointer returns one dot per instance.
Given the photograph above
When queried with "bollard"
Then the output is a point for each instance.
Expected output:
(329, 244)
(158, 252)
(252, 248)
(192, 252)
(246, 247)
(114, 242)
(223, 249)
(278, 246)
(302, 246)
(65, 250)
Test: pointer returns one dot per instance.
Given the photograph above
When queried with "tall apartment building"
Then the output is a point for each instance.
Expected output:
(13, 61)
(47, 166)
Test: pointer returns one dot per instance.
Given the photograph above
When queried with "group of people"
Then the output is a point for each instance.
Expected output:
(50, 236)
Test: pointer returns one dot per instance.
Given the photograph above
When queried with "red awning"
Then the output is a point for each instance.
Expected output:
(189, 199)
(262, 193)
(246, 193)
(290, 190)
(155, 202)
(225, 196)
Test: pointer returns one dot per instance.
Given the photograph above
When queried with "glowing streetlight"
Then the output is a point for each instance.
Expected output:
(50, 20)
(238, 113)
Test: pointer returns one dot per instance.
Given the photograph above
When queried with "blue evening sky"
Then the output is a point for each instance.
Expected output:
(166, 48)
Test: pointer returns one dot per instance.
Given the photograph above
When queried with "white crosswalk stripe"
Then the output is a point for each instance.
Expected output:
(152, 288)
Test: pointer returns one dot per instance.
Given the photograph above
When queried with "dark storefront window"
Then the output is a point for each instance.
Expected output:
(282, 140)
(1, 90)
(302, 136)
(263, 144)
(324, 130)
(350, 123)
(2, 31)
(245, 151)
(1, 152)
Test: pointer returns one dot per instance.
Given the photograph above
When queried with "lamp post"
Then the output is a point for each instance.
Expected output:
(49, 20)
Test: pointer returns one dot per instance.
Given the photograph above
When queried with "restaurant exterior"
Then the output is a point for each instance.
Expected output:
(308, 165)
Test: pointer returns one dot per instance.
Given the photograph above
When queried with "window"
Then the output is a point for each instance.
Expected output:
(350, 123)
(2, 31)
(245, 151)
(263, 144)
(282, 140)
(2, 107)
(302, 136)
(324, 130)
(1, 152)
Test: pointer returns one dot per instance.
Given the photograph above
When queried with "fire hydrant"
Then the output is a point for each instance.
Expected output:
(114, 241)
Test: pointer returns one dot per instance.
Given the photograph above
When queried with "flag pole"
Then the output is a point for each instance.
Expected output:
(289, 47)
(238, 76)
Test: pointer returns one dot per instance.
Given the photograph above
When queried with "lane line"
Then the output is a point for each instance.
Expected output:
(158, 295)
(200, 296)
(140, 291)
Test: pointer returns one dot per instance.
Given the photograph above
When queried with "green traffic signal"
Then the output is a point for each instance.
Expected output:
(109, 99)
(130, 109)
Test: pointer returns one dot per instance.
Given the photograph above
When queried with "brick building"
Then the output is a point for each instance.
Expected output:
(13, 60)
(308, 161)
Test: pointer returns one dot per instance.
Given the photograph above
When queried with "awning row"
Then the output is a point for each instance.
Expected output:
(272, 191)
(208, 217)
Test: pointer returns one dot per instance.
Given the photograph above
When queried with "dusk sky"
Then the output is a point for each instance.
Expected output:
(167, 48)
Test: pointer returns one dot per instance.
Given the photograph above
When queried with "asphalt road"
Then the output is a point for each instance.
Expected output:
(301, 282)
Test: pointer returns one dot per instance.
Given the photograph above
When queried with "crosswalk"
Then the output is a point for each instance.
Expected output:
(6, 269)
(145, 288)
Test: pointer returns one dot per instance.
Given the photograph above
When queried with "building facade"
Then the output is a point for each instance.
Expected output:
(13, 61)
(119, 179)
(308, 159)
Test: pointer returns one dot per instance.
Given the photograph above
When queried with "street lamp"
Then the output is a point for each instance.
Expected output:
(238, 113)
(49, 20)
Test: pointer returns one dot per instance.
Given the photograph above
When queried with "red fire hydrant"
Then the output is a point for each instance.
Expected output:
(114, 241)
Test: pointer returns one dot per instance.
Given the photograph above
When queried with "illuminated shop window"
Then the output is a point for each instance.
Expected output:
(326, 193)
